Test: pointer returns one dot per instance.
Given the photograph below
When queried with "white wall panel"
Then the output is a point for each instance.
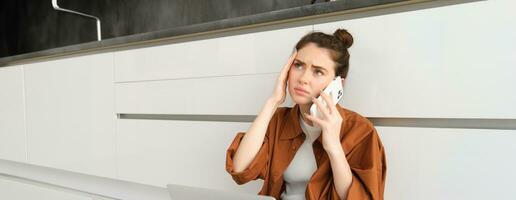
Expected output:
(232, 95)
(158, 152)
(452, 61)
(12, 113)
(251, 53)
(433, 163)
(70, 114)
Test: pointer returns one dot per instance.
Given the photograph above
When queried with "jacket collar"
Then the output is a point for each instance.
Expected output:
(293, 124)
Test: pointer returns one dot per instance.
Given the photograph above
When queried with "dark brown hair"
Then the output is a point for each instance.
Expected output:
(338, 43)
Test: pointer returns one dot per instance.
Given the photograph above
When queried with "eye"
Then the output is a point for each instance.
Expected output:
(297, 65)
(319, 72)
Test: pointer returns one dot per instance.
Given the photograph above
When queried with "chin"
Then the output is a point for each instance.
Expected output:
(301, 100)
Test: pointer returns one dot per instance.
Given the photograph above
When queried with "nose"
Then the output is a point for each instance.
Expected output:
(305, 77)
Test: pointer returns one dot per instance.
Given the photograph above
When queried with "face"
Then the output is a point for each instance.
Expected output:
(312, 70)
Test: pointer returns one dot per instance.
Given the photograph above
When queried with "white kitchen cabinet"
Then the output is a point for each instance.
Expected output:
(70, 114)
(257, 52)
(159, 152)
(231, 95)
(447, 62)
(12, 114)
(441, 163)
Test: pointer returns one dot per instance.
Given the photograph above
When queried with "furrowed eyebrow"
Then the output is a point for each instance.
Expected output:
(321, 68)
(314, 66)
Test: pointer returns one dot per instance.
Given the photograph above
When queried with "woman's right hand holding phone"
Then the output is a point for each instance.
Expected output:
(279, 93)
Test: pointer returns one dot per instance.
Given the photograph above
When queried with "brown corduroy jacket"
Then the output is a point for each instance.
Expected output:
(360, 142)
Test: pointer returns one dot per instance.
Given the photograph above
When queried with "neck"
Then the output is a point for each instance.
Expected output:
(305, 109)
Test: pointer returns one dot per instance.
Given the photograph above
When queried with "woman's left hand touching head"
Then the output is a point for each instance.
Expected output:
(330, 122)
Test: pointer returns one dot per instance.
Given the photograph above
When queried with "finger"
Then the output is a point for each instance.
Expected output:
(329, 102)
(289, 62)
(321, 108)
(283, 75)
(314, 119)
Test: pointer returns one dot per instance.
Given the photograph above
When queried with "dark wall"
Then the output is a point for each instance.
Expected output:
(9, 24)
(32, 25)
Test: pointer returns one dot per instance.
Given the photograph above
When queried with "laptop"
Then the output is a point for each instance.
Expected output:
(182, 192)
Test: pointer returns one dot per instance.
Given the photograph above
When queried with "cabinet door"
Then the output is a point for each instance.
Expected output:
(158, 152)
(441, 163)
(257, 52)
(70, 114)
(232, 95)
(441, 62)
(12, 114)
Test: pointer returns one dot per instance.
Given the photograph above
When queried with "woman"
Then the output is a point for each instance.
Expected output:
(299, 156)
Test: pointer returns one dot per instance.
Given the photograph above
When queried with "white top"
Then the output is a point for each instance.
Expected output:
(302, 167)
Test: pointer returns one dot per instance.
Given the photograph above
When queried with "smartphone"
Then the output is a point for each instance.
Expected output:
(334, 90)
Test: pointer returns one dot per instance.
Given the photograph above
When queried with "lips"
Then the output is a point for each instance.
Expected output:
(301, 90)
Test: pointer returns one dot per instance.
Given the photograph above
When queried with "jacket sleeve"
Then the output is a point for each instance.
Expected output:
(368, 166)
(259, 166)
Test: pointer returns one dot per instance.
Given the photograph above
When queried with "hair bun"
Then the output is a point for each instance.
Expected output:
(344, 36)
